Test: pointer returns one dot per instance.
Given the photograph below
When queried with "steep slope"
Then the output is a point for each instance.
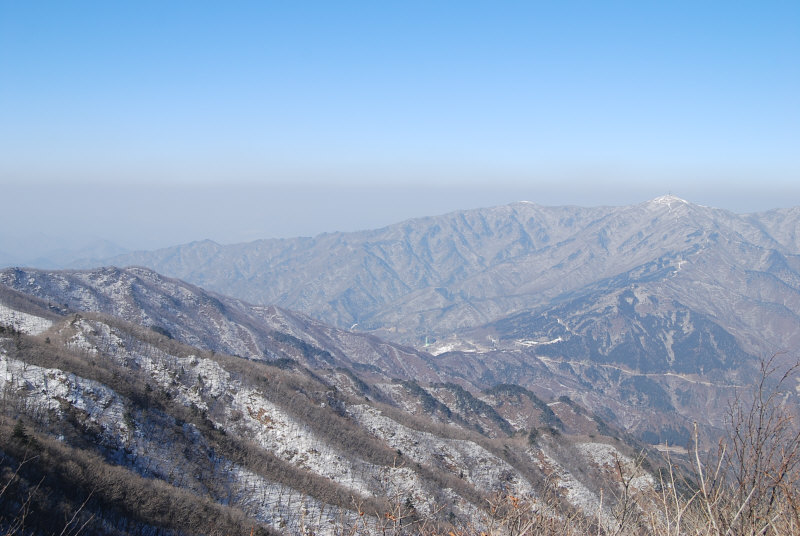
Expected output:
(139, 433)
(210, 321)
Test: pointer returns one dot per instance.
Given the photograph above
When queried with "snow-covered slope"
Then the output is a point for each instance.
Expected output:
(270, 442)
(22, 321)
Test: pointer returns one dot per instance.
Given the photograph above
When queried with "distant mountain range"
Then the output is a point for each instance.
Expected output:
(430, 278)
(664, 288)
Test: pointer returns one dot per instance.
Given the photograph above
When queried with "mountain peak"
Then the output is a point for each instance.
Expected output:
(668, 200)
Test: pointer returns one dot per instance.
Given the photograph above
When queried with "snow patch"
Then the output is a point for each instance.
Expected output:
(463, 458)
(608, 456)
(45, 389)
(577, 493)
(24, 322)
(668, 200)
(529, 343)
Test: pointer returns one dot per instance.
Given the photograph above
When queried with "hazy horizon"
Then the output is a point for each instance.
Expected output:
(142, 217)
(154, 124)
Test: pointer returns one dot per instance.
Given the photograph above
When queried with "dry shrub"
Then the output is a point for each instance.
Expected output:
(750, 485)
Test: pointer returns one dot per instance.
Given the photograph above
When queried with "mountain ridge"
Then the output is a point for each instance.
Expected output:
(436, 275)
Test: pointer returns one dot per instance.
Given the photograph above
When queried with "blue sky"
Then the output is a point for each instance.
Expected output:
(303, 107)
